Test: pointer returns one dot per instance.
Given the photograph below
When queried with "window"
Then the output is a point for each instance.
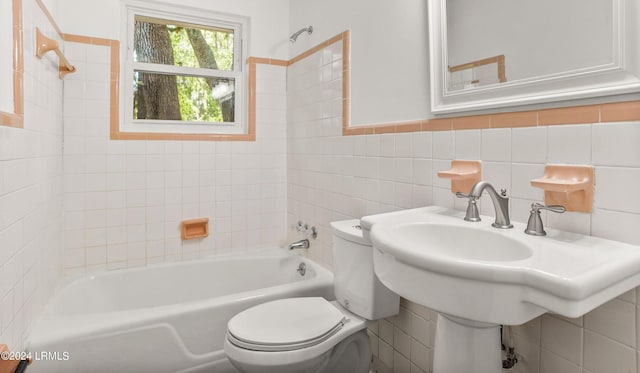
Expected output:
(183, 71)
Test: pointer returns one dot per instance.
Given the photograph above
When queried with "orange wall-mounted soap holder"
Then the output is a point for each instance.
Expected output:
(568, 185)
(195, 228)
(463, 175)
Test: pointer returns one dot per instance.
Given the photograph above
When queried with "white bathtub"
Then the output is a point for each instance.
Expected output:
(164, 318)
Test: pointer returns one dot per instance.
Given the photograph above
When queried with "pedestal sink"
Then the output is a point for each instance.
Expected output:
(478, 277)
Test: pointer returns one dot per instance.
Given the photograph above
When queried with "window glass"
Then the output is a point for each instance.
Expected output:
(181, 44)
(183, 72)
(182, 97)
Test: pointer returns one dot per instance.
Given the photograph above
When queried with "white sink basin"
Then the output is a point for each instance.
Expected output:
(501, 276)
(457, 242)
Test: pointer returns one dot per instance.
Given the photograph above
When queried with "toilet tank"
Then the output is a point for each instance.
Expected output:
(356, 285)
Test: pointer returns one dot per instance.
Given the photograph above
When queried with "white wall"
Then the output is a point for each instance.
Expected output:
(389, 53)
(31, 191)
(268, 33)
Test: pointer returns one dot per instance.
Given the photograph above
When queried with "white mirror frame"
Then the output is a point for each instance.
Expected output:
(619, 77)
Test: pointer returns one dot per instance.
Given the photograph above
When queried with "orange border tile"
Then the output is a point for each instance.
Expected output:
(569, 115)
(471, 122)
(16, 119)
(620, 112)
(515, 119)
(346, 80)
(443, 124)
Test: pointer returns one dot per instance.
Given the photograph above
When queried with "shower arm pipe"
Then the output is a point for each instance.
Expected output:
(295, 35)
(44, 45)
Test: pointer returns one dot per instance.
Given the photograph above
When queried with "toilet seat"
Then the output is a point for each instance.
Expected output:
(286, 324)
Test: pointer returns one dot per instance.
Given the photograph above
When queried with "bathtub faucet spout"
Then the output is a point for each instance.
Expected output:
(302, 244)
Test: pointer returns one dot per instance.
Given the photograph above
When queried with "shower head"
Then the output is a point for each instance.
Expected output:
(295, 35)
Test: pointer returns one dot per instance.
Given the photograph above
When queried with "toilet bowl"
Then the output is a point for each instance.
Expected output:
(314, 335)
(298, 335)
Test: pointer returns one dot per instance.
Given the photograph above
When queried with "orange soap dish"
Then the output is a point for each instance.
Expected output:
(463, 175)
(195, 228)
(568, 185)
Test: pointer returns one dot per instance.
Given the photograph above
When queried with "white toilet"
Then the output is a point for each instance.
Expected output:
(313, 335)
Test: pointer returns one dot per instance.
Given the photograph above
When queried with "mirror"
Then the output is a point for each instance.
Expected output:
(498, 53)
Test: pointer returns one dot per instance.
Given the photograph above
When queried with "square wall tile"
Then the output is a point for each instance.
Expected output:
(616, 144)
(614, 188)
(421, 146)
(615, 320)
(496, 145)
(562, 338)
(603, 355)
(552, 363)
(615, 225)
(467, 144)
(569, 144)
(529, 145)
(521, 176)
(443, 145)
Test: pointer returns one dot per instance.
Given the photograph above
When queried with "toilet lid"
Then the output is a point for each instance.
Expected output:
(285, 324)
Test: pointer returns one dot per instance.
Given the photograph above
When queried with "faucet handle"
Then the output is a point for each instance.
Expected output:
(503, 192)
(536, 207)
(534, 225)
(472, 207)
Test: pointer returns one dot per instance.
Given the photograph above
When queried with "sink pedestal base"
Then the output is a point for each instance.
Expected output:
(466, 346)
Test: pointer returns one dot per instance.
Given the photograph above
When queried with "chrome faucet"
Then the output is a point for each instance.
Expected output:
(500, 204)
(302, 244)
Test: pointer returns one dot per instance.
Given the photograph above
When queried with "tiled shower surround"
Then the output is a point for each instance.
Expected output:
(31, 191)
(332, 177)
(124, 200)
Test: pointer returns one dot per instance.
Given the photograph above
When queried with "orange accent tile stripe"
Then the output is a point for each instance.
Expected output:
(49, 16)
(18, 59)
(267, 61)
(620, 112)
(346, 81)
(471, 122)
(615, 112)
(252, 97)
(88, 40)
(319, 47)
(515, 119)
(16, 119)
(570, 115)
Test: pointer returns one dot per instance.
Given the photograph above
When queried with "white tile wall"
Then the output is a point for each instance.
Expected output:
(31, 191)
(332, 177)
(124, 200)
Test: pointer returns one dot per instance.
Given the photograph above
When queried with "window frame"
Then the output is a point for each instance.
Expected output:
(196, 17)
